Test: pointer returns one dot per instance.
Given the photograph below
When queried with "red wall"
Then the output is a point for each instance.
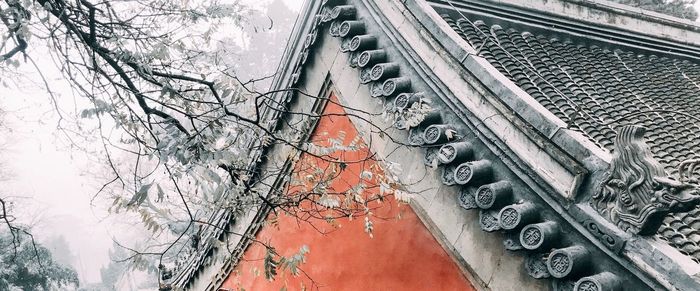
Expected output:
(401, 255)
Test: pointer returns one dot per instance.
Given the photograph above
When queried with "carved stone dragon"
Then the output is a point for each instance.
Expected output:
(636, 193)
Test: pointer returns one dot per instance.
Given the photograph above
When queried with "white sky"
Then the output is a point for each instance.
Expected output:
(55, 183)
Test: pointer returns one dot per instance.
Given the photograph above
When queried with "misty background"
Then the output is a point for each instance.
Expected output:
(52, 177)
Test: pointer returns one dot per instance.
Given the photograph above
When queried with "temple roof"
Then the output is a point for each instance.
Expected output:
(596, 88)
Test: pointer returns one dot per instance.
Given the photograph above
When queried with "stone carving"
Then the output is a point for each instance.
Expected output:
(559, 264)
(362, 42)
(334, 29)
(310, 40)
(371, 57)
(493, 194)
(512, 243)
(365, 75)
(430, 156)
(536, 265)
(326, 14)
(415, 136)
(448, 176)
(345, 45)
(477, 171)
(405, 100)
(466, 199)
(438, 134)
(611, 241)
(352, 59)
(455, 152)
(484, 197)
(394, 86)
(539, 235)
(343, 12)
(351, 28)
(636, 193)
(600, 282)
(384, 70)
(515, 215)
(376, 90)
(488, 220)
(531, 237)
(568, 261)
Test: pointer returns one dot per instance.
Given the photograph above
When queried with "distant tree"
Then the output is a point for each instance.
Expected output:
(61, 250)
(115, 269)
(30, 266)
(677, 8)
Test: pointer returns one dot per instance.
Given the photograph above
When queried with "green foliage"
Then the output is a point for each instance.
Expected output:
(26, 266)
(677, 8)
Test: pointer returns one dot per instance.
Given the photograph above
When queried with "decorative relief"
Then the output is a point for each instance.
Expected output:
(513, 216)
(488, 220)
(345, 45)
(512, 243)
(448, 175)
(447, 153)
(431, 134)
(362, 42)
(613, 242)
(484, 197)
(559, 264)
(539, 235)
(334, 29)
(466, 199)
(415, 136)
(352, 59)
(568, 261)
(636, 193)
(536, 265)
(394, 86)
(509, 217)
(343, 12)
(376, 90)
(351, 28)
(455, 152)
(493, 194)
(587, 286)
(604, 281)
(477, 171)
(405, 100)
(532, 237)
(430, 156)
(384, 70)
(371, 57)
(365, 75)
